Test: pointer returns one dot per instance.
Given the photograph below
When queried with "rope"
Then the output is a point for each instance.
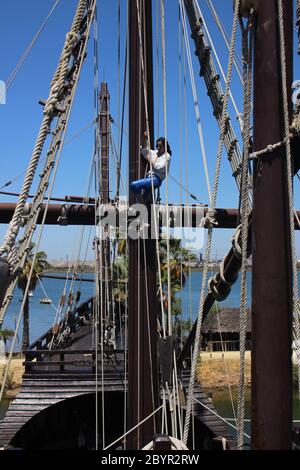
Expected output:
(134, 427)
(29, 47)
(47, 296)
(53, 153)
(56, 88)
(68, 141)
(247, 90)
(157, 58)
(268, 149)
(215, 92)
(152, 186)
(238, 114)
(195, 98)
(219, 416)
(225, 363)
(289, 164)
(42, 223)
(209, 237)
(298, 23)
(121, 129)
(177, 399)
(177, 444)
(162, 11)
(148, 327)
(237, 63)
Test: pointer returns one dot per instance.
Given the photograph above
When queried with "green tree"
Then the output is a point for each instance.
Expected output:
(120, 279)
(178, 261)
(40, 265)
(179, 271)
(6, 334)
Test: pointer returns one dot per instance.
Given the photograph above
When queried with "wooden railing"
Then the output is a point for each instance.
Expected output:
(76, 319)
(69, 361)
(227, 345)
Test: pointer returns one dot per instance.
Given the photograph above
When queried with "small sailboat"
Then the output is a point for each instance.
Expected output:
(45, 300)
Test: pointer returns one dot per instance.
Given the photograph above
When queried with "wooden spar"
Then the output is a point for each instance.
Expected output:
(272, 306)
(142, 326)
(104, 128)
(84, 214)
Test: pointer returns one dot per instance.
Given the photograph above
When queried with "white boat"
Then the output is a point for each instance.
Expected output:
(45, 301)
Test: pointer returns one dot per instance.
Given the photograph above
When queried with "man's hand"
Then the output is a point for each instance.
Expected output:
(145, 139)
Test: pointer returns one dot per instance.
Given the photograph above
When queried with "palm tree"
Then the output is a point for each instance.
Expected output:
(5, 335)
(178, 261)
(120, 279)
(40, 264)
(179, 270)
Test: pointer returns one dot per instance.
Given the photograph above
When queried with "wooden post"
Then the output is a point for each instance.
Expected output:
(142, 322)
(272, 304)
(104, 128)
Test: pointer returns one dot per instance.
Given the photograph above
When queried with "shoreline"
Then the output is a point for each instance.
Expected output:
(215, 372)
(91, 269)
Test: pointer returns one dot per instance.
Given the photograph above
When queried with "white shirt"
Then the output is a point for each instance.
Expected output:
(159, 164)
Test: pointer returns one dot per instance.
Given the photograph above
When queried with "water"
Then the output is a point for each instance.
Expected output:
(42, 315)
(223, 405)
(190, 294)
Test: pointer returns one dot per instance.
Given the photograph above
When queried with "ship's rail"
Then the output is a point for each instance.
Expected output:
(71, 361)
(74, 321)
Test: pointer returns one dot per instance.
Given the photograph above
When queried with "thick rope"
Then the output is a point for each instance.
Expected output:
(247, 90)
(237, 61)
(289, 163)
(43, 219)
(54, 152)
(209, 236)
(56, 88)
(238, 114)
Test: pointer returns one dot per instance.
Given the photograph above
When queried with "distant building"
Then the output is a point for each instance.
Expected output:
(228, 333)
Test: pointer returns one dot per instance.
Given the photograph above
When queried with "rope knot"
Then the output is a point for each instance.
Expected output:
(213, 289)
(235, 243)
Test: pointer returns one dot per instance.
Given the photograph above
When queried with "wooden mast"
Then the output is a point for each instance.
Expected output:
(104, 129)
(142, 321)
(272, 304)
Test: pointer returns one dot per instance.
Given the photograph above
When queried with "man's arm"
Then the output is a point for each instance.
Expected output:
(145, 149)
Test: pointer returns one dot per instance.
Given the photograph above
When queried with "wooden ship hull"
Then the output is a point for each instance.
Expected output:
(79, 390)
(56, 405)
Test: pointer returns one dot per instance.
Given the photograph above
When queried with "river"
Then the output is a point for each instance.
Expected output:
(42, 316)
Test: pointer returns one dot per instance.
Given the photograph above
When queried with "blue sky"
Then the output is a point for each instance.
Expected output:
(21, 116)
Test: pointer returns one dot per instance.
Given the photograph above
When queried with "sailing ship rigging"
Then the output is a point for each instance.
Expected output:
(119, 354)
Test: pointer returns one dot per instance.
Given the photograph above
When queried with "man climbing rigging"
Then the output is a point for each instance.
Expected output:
(159, 161)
